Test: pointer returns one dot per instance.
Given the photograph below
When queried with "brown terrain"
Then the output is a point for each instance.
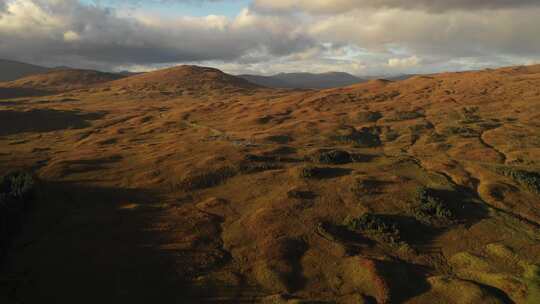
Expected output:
(188, 185)
(55, 81)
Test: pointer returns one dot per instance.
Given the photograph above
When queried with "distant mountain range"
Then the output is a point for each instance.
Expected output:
(304, 80)
(12, 70)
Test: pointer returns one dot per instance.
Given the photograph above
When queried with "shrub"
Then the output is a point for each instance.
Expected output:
(208, 179)
(431, 210)
(401, 116)
(435, 137)
(17, 185)
(530, 180)
(376, 226)
(366, 137)
(280, 139)
(310, 172)
(461, 131)
(259, 158)
(336, 157)
(368, 116)
(299, 194)
(470, 115)
(249, 168)
(532, 279)
(360, 187)
(16, 192)
(391, 135)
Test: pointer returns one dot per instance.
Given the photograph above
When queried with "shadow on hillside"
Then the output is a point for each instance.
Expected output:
(82, 244)
(43, 120)
(21, 92)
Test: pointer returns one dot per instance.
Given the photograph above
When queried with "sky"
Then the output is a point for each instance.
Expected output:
(361, 37)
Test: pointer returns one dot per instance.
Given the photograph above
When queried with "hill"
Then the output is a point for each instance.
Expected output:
(59, 81)
(12, 70)
(419, 191)
(182, 78)
(304, 80)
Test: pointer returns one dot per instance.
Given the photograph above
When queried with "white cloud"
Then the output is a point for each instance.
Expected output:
(44, 31)
(71, 36)
(340, 6)
(404, 62)
(357, 36)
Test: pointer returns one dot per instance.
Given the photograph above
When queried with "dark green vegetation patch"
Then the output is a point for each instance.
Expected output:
(336, 157)
(368, 116)
(530, 180)
(365, 137)
(208, 179)
(378, 227)
(430, 210)
(401, 116)
(16, 192)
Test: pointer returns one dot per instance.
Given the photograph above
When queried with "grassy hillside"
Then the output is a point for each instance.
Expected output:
(190, 185)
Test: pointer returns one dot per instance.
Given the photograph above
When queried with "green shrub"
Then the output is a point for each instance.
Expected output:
(401, 116)
(248, 168)
(435, 137)
(260, 158)
(470, 115)
(368, 116)
(378, 227)
(366, 137)
(461, 131)
(361, 187)
(208, 179)
(280, 139)
(16, 191)
(336, 157)
(310, 172)
(530, 180)
(532, 279)
(299, 194)
(391, 135)
(430, 209)
(17, 185)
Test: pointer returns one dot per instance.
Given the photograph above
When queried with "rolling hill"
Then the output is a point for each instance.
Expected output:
(185, 79)
(304, 80)
(12, 70)
(55, 81)
(190, 185)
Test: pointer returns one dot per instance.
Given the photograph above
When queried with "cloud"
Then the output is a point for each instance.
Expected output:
(435, 37)
(60, 30)
(360, 36)
(340, 6)
(404, 62)
(71, 36)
